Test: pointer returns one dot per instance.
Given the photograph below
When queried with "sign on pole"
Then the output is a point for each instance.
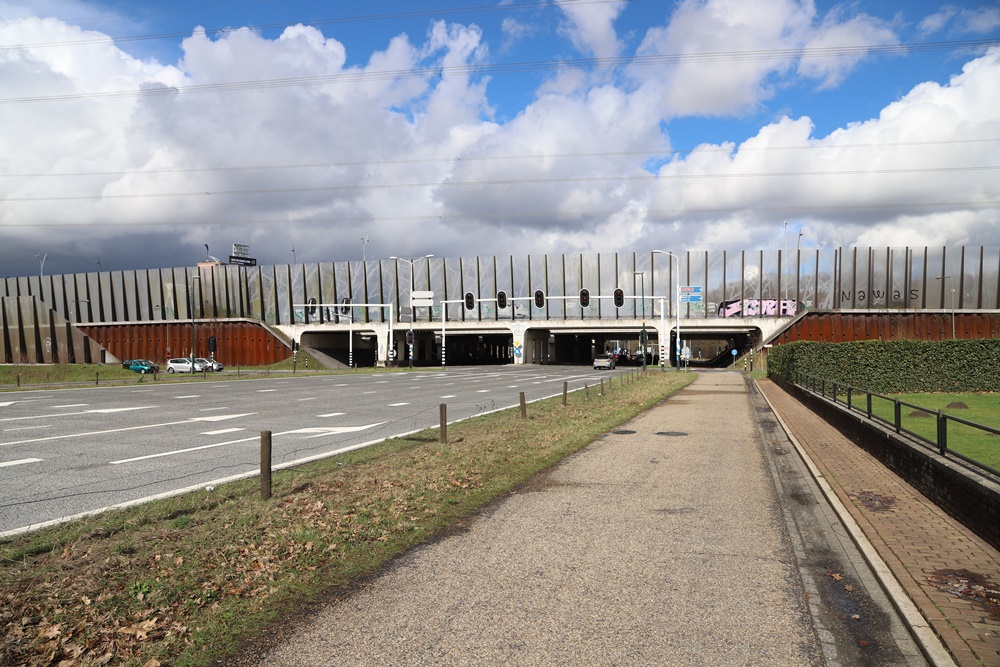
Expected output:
(422, 298)
(690, 293)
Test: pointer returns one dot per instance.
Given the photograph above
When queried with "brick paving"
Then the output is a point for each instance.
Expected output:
(929, 553)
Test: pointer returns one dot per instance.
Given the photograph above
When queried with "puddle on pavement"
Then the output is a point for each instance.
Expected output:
(969, 586)
(875, 502)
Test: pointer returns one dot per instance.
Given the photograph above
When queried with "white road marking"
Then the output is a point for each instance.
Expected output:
(368, 392)
(482, 391)
(313, 398)
(319, 431)
(120, 430)
(448, 396)
(331, 414)
(7, 464)
(396, 405)
(264, 391)
(210, 409)
(73, 414)
(26, 428)
(189, 396)
(223, 430)
(72, 405)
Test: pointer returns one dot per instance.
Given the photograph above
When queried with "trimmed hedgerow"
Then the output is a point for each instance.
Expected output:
(905, 366)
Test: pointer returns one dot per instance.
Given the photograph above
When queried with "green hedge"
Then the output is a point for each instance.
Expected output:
(906, 366)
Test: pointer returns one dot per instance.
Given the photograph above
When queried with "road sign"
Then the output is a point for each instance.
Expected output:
(690, 293)
(422, 298)
(733, 352)
(242, 261)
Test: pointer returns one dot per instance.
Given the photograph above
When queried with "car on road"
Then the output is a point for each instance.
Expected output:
(211, 364)
(183, 365)
(140, 366)
(604, 361)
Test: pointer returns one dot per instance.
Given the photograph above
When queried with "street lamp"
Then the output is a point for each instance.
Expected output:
(41, 266)
(662, 252)
(193, 279)
(410, 262)
(364, 249)
(952, 290)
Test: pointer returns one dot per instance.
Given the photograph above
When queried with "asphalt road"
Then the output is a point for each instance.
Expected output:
(72, 451)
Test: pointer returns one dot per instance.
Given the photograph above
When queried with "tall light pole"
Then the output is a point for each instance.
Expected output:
(41, 267)
(410, 334)
(642, 335)
(364, 249)
(642, 283)
(193, 297)
(662, 252)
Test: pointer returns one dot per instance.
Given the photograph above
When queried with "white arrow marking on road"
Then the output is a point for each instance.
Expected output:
(7, 464)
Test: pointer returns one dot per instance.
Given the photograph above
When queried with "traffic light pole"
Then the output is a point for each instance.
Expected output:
(444, 311)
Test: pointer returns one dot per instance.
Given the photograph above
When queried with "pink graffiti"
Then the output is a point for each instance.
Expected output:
(758, 308)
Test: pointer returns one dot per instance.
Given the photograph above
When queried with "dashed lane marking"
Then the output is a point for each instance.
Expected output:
(19, 462)
(223, 430)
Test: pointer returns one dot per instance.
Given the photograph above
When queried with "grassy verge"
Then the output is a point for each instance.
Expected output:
(974, 443)
(186, 581)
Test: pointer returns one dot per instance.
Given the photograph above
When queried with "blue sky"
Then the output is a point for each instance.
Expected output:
(575, 126)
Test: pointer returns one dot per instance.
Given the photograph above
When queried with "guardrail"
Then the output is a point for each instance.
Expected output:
(849, 397)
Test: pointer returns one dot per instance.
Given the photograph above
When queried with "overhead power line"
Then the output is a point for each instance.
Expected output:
(465, 217)
(492, 158)
(158, 89)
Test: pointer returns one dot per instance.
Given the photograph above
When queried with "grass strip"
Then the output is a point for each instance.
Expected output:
(189, 580)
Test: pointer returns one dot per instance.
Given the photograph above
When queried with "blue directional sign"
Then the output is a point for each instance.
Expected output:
(690, 293)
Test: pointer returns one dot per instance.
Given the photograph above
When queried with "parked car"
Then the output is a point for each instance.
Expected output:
(211, 364)
(183, 365)
(604, 361)
(140, 366)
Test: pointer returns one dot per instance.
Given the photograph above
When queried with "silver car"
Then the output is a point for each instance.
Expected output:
(604, 361)
(183, 365)
(210, 364)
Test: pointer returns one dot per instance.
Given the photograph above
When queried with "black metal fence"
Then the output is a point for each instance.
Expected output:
(876, 407)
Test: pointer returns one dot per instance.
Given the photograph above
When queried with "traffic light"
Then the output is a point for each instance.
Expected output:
(470, 301)
(409, 337)
(539, 298)
(344, 308)
(212, 344)
(584, 297)
(501, 299)
(619, 297)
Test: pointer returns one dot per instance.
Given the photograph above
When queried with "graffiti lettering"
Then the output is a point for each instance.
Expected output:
(758, 307)
(877, 295)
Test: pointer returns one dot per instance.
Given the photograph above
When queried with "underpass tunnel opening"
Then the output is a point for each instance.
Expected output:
(713, 349)
(460, 349)
(581, 348)
(341, 349)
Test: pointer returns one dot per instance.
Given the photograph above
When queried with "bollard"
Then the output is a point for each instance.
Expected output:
(586, 391)
(602, 386)
(444, 423)
(565, 391)
(265, 465)
(97, 379)
(524, 410)
(18, 380)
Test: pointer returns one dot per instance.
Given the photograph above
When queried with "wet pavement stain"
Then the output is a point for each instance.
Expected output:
(671, 433)
(969, 586)
(623, 431)
(875, 502)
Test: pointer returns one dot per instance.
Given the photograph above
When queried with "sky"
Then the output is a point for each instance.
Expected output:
(134, 134)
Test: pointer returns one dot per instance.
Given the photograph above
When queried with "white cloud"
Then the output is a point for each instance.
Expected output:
(591, 28)
(962, 20)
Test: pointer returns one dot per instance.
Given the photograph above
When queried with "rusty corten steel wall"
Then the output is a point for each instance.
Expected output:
(839, 327)
(239, 342)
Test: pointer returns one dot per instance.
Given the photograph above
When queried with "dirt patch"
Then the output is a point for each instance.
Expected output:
(958, 405)
(921, 414)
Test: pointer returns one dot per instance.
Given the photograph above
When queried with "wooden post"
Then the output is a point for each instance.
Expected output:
(444, 423)
(602, 386)
(565, 391)
(97, 379)
(265, 465)
(524, 410)
(586, 391)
